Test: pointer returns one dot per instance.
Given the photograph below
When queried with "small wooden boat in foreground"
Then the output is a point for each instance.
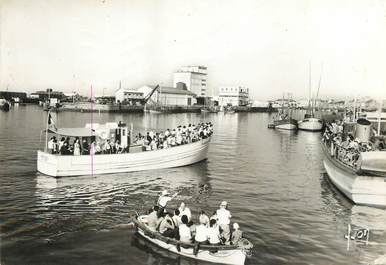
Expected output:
(224, 254)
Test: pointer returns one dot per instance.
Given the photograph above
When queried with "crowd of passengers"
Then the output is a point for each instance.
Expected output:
(180, 225)
(152, 141)
(65, 147)
(343, 145)
(170, 138)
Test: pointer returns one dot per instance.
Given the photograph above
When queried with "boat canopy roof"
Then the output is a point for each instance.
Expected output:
(74, 132)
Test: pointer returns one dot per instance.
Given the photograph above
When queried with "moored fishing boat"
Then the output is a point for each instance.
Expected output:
(284, 123)
(224, 254)
(284, 120)
(310, 122)
(132, 157)
(359, 173)
(4, 104)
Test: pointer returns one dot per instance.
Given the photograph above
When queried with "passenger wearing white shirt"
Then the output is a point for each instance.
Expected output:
(213, 233)
(184, 230)
(176, 218)
(202, 234)
(203, 218)
(185, 211)
(223, 220)
(165, 198)
(152, 219)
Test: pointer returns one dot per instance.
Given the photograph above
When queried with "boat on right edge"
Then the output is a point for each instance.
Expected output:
(355, 159)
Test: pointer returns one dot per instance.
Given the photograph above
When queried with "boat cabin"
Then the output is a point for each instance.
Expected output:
(111, 131)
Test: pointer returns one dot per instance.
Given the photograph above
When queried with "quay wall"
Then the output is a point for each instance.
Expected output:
(88, 107)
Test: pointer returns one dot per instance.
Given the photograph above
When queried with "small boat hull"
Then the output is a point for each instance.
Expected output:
(232, 255)
(70, 165)
(360, 187)
(286, 124)
(311, 124)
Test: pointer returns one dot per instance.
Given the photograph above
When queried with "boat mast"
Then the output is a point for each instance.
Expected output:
(379, 117)
(309, 88)
(320, 81)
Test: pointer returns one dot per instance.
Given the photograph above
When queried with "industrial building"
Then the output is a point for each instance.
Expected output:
(233, 96)
(193, 77)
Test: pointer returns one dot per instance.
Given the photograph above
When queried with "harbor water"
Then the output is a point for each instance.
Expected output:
(274, 183)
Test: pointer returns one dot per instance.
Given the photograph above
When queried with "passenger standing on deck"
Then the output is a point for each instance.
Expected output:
(185, 211)
(61, 142)
(85, 150)
(224, 219)
(55, 146)
(76, 147)
(50, 145)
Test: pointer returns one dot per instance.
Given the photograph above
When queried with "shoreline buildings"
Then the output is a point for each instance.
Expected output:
(233, 96)
(193, 77)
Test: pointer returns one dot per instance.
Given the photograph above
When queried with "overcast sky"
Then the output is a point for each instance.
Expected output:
(264, 45)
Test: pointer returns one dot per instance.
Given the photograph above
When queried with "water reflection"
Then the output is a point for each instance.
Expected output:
(137, 189)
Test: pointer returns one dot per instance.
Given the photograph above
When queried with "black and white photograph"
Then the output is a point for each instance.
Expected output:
(192, 132)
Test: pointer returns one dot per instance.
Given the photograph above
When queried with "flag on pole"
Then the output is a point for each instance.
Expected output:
(51, 122)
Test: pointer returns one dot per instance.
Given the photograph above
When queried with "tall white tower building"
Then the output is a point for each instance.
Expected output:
(193, 78)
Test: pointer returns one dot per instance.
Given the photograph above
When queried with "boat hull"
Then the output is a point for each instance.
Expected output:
(61, 165)
(311, 124)
(234, 256)
(359, 187)
(286, 124)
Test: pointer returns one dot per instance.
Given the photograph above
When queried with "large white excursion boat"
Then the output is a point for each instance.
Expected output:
(134, 159)
(223, 254)
(358, 174)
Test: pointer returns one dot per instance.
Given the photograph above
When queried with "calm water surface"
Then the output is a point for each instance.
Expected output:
(274, 183)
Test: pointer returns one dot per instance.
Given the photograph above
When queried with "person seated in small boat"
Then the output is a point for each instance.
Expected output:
(167, 227)
(202, 233)
(160, 217)
(214, 233)
(237, 234)
(184, 231)
(185, 211)
(176, 218)
(203, 218)
(65, 150)
(192, 228)
(152, 219)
